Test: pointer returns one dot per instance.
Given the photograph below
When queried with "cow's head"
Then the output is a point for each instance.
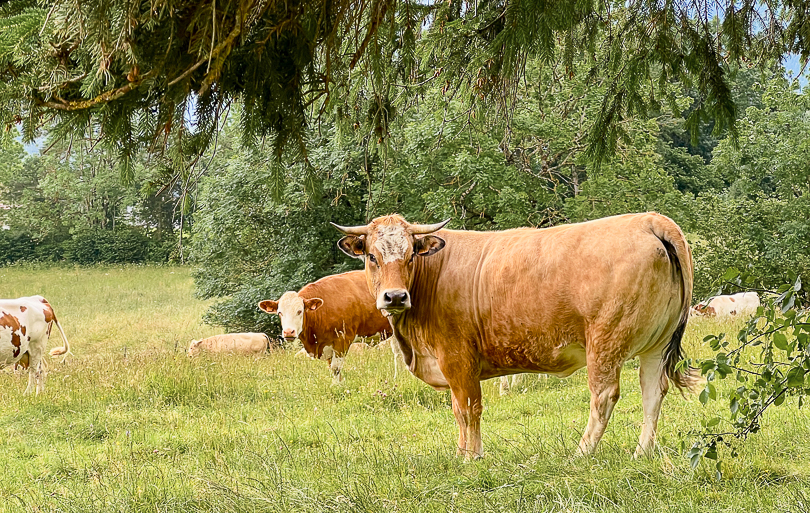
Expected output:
(703, 310)
(388, 245)
(291, 309)
(194, 348)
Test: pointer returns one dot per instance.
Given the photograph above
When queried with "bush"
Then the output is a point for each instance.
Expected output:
(15, 246)
(126, 244)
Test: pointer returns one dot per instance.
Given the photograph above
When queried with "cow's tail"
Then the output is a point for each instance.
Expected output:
(65, 349)
(680, 255)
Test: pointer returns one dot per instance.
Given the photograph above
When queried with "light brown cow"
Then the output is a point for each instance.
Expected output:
(25, 326)
(241, 343)
(467, 306)
(742, 303)
(328, 315)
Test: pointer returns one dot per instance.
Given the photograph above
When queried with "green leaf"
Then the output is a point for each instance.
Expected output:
(730, 274)
(780, 341)
(795, 377)
(694, 455)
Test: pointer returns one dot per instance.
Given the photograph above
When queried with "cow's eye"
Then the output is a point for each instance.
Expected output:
(372, 258)
(300, 312)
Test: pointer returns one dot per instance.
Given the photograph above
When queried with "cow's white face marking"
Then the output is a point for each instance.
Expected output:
(291, 312)
(392, 243)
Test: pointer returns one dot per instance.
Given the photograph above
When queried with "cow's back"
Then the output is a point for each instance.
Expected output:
(348, 310)
(23, 327)
(248, 343)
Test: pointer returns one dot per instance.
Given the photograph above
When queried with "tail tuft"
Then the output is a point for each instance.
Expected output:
(65, 349)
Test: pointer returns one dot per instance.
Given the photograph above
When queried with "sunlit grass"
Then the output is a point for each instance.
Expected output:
(150, 430)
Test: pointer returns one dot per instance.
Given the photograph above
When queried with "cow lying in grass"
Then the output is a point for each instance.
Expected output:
(328, 315)
(241, 343)
(25, 325)
(742, 303)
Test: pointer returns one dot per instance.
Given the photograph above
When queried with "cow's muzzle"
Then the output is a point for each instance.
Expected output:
(394, 300)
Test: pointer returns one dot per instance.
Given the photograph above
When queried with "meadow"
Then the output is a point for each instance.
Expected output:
(129, 423)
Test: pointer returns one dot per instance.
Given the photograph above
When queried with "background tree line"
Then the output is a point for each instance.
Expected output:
(74, 207)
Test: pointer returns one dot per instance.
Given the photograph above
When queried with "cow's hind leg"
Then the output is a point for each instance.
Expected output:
(654, 386)
(461, 446)
(603, 381)
(36, 374)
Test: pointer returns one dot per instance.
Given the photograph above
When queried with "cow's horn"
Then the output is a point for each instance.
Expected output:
(351, 230)
(424, 229)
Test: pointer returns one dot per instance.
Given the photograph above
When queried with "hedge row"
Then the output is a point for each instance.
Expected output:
(124, 245)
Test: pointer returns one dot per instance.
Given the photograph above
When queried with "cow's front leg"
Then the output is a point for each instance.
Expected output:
(467, 408)
(336, 366)
(461, 447)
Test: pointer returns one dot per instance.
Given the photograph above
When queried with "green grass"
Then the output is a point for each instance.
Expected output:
(147, 429)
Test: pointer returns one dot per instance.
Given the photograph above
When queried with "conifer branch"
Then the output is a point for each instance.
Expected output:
(105, 97)
(372, 29)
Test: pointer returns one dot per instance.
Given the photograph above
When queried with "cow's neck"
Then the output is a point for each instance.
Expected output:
(407, 325)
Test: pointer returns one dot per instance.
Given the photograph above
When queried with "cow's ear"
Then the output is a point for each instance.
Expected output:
(313, 303)
(353, 245)
(427, 245)
(269, 306)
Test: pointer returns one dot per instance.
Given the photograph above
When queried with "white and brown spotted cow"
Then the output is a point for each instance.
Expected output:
(25, 325)
(742, 303)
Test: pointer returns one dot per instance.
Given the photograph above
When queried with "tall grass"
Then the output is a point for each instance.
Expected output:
(150, 430)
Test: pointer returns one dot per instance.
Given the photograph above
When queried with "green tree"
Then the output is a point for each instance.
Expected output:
(75, 202)
(761, 222)
(138, 69)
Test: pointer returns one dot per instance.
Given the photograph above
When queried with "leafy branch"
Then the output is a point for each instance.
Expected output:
(778, 370)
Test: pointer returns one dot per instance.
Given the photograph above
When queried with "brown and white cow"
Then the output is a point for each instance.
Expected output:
(742, 303)
(25, 325)
(466, 306)
(327, 316)
(241, 343)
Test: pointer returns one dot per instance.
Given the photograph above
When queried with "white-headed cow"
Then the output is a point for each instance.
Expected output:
(467, 306)
(25, 325)
(327, 316)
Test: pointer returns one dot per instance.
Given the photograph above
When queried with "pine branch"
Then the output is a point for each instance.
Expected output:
(105, 97)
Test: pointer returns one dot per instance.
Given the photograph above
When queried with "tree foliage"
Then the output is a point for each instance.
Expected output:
(75, 207)
(162, 74)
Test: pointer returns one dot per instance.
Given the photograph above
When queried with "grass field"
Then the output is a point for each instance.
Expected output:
(131, 424)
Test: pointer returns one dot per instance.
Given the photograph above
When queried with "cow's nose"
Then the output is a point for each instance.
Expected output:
(395, 299)
(288, 333)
